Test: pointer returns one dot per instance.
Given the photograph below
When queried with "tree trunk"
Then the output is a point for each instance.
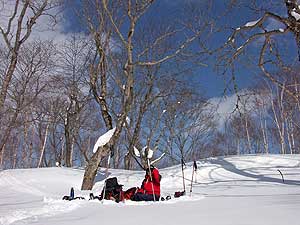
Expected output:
(264, 134)
(248, 136)
(2, 156)
(44, 146)
(68, 134)
(279, 126)
(15, 153)
(290, 134)
(92, 167)
(293, 150)
(127, 161)
(238, 146)
(7, 79)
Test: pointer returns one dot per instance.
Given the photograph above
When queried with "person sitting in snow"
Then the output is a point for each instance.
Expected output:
(150, 189)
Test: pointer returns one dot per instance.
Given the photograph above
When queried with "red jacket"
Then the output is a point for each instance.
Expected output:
(146, 187)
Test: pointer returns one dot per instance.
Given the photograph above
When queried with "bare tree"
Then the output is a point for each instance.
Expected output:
(26, 87)
(111, 20)
(258, 30)
(74, 57)
(16, 32)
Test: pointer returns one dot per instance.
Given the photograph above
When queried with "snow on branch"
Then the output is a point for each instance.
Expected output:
(256, 24)
(136, 152)
(252, 23)
(104, 139)
(295, 15)
(159, 158)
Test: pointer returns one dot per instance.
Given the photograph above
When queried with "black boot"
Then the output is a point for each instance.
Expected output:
(72, 194)
(92, 197)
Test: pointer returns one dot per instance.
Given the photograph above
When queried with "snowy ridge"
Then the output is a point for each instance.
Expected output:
(251, 185)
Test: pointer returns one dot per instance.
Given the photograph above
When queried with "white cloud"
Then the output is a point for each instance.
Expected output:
(46, 27)
(225, 107)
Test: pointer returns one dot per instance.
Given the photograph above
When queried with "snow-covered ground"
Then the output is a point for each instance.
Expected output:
(233, 190)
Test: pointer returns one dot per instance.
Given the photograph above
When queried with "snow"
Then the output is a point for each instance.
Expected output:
(231, 40)
(231, 190)
(252, 23)
(136, 152)
(147, 151)
(239, 48)
(150, 154)
(127, 120)
(295, 15)
(104, 139)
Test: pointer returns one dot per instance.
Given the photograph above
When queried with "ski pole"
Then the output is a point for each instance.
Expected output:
(150, 173)
(194, 170)
(106, 175)
(183, 179)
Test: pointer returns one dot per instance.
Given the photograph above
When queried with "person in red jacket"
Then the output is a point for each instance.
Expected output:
(150, 189)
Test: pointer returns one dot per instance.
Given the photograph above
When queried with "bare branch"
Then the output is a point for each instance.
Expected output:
(267, 74)
(104, 3)
(158, 40)
(179, 50)
(32, 21)
(255, 36)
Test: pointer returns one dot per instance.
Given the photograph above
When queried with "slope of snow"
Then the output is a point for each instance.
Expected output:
(231, 190)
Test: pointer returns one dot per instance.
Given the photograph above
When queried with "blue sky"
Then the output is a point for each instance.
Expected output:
(206, 78)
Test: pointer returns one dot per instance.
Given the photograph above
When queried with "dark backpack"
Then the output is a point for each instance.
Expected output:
(112, 190)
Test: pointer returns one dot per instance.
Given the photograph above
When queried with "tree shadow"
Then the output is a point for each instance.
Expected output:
(233, 169)
(20, 203)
